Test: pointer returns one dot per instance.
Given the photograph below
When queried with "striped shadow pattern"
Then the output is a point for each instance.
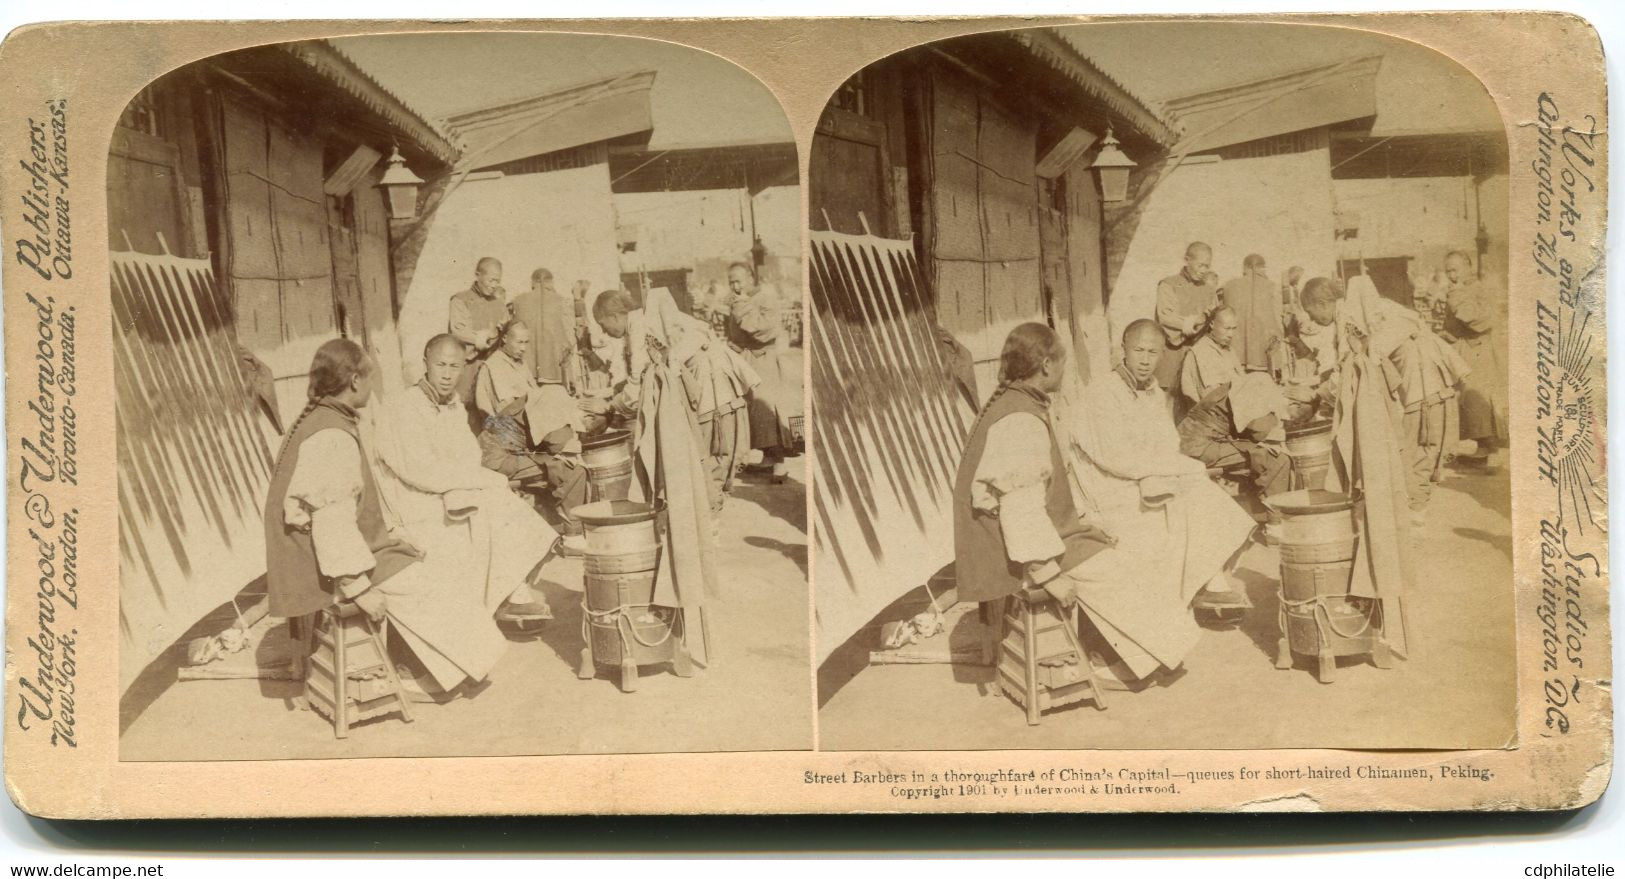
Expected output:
(890, 423)
(193, 458)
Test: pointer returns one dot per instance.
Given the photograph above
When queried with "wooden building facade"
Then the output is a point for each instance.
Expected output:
(247, 228)
(980, 149)
(952, 197)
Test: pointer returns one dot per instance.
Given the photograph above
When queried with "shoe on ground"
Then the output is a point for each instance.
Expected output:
(1218, 601)
(514, 611)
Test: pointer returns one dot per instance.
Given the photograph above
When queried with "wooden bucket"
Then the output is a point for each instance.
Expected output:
(608, 458)
(1344, 627)
(622, 624)
(622, 536)
(1318, 538)
(1309, 448)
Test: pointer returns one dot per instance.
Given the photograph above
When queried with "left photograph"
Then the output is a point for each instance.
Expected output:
(459, 402)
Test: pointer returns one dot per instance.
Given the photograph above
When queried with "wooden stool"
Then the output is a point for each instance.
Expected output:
(349, 677)
(1041, 663)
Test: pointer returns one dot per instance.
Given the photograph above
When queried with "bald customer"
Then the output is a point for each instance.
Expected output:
(1185, 300)
(529, 432)
(462, 515)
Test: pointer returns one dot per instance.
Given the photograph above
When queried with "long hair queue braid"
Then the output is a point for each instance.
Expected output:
(335, 365)
(1023, 356)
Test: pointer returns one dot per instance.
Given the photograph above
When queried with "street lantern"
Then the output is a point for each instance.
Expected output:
(1111, 167)
(402, 186)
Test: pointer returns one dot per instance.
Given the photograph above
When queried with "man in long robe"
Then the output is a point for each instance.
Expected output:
(551, 352)
(1422, 373)
(1431, 374)
(1475, 320)
(673, 468)
(1360, 382)
(1178, 535)
(756, 329)
(717, 380)
(1232, 414)
(1256, 301)
(475, 531)
(1184, 302)
(327, 540)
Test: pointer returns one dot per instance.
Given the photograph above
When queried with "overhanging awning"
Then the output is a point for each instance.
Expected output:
(604, 109)
(1301, 99)
(752, 167)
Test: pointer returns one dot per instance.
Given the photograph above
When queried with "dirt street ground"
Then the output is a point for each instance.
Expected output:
(755, 697)
(1455, 691)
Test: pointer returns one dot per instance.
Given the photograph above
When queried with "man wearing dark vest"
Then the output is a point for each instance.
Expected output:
(1015, 522)
(1185, 300)
(326, 539)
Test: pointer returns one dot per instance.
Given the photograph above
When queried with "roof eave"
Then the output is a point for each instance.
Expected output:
(1050, 48)
(630, 80)
(332, 64)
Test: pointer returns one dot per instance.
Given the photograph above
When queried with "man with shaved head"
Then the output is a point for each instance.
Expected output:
(476, 318)
(1213, 360)
(461, 514)
(1176, 534)
(1184, 302)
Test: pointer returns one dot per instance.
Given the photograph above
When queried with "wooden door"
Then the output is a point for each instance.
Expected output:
(278, 265)
(984, 241)
(144, 185)
(849, 188)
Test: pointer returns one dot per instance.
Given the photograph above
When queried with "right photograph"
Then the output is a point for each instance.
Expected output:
(1161, 405)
